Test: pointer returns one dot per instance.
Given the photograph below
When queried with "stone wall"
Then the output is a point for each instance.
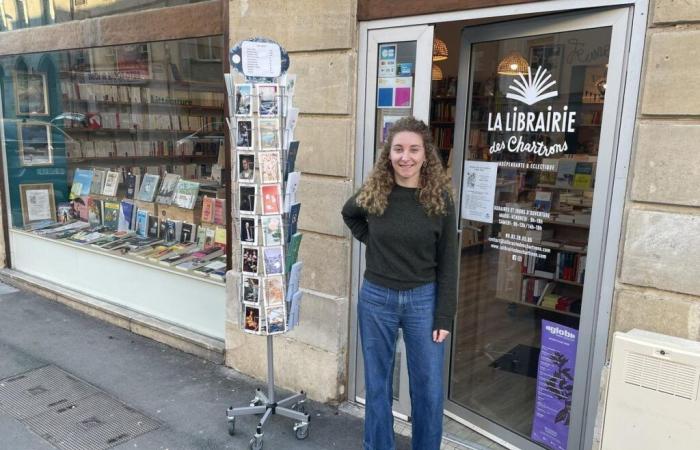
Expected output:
(320, 36)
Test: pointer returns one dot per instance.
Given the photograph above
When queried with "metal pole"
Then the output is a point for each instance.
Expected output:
(270, 371)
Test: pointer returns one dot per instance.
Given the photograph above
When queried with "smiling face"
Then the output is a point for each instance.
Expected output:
(407, 155)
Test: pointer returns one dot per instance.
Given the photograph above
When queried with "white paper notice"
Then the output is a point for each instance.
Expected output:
(38, 205)
(479, 190)
(261, 59)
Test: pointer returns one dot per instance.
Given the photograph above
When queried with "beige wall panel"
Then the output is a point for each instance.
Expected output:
(658, 311)
(298, 25)
(323, 322)
(662, 250)
(297, 366)
(326, 145)
(326, 264)
(669, 74)
(325, 82)
(669, 11)
(321, 200)
(662, 172)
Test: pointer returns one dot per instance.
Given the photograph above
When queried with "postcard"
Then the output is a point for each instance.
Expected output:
(268, 100)
(251, 322)
(273, 290)
(270, 171)
(269, 134)
(273, 260)
(244, 100)
(244, 134)
(275, 319)
(271, 198)
(246, 198)
(251, 289)
(249, 234)
(249, 260)
(272, 230)
(246, 167)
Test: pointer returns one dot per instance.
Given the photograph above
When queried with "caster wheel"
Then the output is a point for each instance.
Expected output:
(302, 432)
(232, 426)
(255, 444)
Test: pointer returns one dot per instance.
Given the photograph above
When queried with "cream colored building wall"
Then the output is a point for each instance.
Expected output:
(321, 38)
(658, 283)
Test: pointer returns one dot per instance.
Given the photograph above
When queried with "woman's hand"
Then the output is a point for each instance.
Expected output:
(440, 335)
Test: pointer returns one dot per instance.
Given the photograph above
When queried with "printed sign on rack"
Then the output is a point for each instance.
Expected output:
(259, 59)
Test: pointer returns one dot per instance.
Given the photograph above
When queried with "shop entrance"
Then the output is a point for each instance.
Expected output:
(525, 114)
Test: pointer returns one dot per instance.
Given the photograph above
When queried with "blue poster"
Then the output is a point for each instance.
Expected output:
(555, 385)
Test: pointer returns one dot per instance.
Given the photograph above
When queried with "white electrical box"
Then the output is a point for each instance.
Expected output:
(652, 396)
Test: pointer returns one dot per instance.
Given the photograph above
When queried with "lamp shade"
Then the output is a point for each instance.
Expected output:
(513, 64)
(439, 50)
(437, 73)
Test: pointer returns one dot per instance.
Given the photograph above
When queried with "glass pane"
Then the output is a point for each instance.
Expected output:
(535, 111)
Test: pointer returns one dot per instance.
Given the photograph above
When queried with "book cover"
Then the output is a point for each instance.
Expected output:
(209, 237)
(167, 189)
(293, 251)
(291, 158)
(583, 177)
(293, 220)
(208, 209)
(220, 211)
(201, 235)
(80, 205)
(290, 191)
(98, 181)
(153, 227)
(549, 177)
(188, 233)
(173, 230)
(94, 211)
(141, 223)
(543, 201)
(565, 173)
(64, 212)
(199, 258)
(110, 215)
(148, 189)
(132, 185)
(82, 181)
(126, 215)
(220, 237)
(217, 263)
(111, 184)
(186, 194)
(271, 199)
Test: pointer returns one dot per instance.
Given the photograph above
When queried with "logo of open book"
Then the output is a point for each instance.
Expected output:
(532, 90)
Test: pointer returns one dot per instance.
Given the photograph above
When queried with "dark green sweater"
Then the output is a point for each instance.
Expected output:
(406, 248)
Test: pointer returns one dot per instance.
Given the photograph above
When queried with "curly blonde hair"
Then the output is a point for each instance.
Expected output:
(434, 188)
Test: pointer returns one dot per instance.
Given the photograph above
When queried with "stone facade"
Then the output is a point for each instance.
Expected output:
(321, 38)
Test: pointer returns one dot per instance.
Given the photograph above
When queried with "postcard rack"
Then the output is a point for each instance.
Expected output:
(266, 244)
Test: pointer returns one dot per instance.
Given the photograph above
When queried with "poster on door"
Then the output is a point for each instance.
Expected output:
(555, 385)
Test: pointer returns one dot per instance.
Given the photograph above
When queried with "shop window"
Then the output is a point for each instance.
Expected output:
(119, 150)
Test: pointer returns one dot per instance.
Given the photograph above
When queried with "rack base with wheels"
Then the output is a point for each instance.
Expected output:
(292, 407)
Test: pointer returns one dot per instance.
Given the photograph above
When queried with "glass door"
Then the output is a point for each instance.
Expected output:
(397, 77)
(537, 116)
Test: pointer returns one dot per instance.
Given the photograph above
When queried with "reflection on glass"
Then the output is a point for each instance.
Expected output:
(533, 137)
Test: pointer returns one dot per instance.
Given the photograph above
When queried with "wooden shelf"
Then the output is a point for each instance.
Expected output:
(135, 160)
(567, 224)
(146, 105)
(530, 305)
(131, 131)
(556, 280)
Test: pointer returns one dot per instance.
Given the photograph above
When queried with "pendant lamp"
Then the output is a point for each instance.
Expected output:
(439, 50)
(513, 64)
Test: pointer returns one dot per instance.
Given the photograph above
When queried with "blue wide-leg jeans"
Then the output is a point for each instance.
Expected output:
(382, 311)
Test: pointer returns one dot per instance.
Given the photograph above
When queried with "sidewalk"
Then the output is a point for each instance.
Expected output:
(187, 396)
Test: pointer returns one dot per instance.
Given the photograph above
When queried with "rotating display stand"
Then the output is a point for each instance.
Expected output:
(264, 259)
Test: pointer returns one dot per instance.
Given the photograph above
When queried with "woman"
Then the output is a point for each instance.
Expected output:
(404, 214)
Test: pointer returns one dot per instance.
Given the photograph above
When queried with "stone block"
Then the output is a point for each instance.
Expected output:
(674, 11)
(300, 25)
(297, 366)
(322, 199)
(662, 250)
(662, 173)
(326, 146)
(233, 294)
(658, 311)
(326, 264)
(325, 82)
(669, 76)
(323, 322)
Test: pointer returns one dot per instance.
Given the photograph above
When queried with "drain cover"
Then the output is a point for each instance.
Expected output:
(70, 413)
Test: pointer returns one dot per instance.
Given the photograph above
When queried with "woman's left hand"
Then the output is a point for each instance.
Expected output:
(440, 335)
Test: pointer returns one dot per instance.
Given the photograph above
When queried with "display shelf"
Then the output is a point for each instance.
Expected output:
(124, 131)
(143, 159)
(147, 105)
(556, 280)
(542, 308)
(80, 77)
(567, 224)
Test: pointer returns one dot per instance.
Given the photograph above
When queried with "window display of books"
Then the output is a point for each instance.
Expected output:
(266, 209)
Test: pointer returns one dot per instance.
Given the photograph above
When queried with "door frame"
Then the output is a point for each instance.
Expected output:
(634, 52)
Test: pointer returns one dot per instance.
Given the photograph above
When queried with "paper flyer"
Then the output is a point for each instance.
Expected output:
(479, 190)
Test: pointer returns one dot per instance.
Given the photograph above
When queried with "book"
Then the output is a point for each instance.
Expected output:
(80, 205)
(111, 184)
(583, 176)
(82, 181)
(565, 173)
(110, 214)
(188, 232)
(549, 177)
(127, 212)
(211, 266)
(64, 212)
(201, 236)
(543, 201)
(173, 230)
(94, 207)
(220, 211)
(294, 279)
(197, 258)
(292, 252)
(132, 185)
(290, 191)
(141, 227)
(291, 158)
(149, 187)
(220, 237)
(208, 209)
(153, 226)
(98, 181)
(293, 220)
(167, 189)
(186, 194)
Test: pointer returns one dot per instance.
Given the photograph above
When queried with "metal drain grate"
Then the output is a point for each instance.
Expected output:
(70, 413)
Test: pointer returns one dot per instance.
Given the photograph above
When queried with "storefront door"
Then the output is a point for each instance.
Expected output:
(398, 84)
(535, 150)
